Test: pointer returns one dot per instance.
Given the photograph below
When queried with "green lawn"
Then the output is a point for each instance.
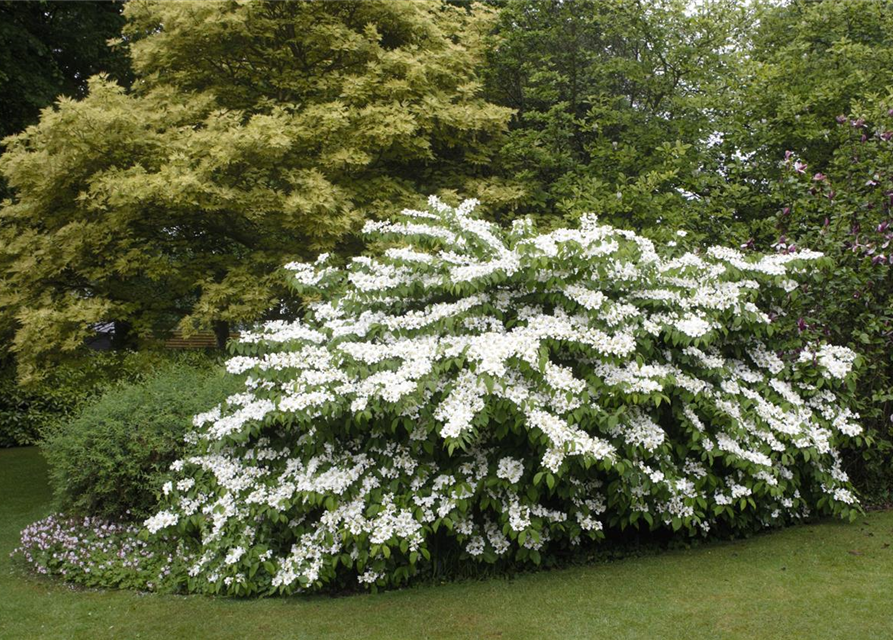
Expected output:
(824, 580)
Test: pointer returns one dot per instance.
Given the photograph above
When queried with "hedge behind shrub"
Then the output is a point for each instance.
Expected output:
(29, 412)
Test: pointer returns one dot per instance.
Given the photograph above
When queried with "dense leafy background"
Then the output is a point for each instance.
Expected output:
(50, 49)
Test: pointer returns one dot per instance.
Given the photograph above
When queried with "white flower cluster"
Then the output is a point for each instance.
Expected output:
(492, 384)
(837, 361)
(510, 469)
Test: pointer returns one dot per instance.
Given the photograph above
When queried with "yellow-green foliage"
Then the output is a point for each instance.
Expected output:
(255, 133)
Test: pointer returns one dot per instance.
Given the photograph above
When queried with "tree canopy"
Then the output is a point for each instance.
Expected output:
(254, 133)
(613, 101)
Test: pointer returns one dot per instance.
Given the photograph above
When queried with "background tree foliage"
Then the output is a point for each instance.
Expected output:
(255, 133)
(808, 62)
(613, 100)
(49, 49)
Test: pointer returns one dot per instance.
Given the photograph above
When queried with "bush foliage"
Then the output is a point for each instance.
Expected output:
(109, 461)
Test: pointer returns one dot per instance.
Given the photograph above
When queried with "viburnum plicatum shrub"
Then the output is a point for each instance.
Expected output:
(509, 395)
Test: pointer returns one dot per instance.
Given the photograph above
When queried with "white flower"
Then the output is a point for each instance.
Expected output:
(475, 546)
(234, 555)
(844, 495)
(369, 577)
(161, 520)
(510, 469)
(837, 361)
(693, 326)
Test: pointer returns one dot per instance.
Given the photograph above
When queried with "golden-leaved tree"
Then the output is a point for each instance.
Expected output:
(254, 133)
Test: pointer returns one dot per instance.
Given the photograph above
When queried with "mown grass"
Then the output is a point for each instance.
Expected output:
(826, 580)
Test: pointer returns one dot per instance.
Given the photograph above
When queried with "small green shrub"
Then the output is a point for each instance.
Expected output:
(108, 461)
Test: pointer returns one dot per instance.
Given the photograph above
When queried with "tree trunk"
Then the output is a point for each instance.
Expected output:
(122, 336)
(221, 331)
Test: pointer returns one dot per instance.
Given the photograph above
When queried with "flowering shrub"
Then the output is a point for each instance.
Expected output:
(508, 394)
